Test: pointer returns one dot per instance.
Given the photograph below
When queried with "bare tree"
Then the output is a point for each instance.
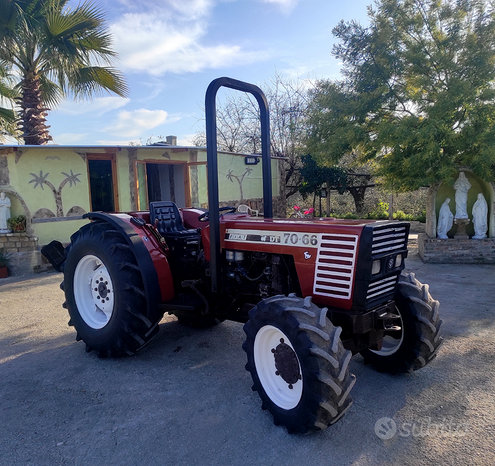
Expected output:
(238, 127)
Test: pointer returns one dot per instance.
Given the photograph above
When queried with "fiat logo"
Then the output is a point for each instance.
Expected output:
(391, 263)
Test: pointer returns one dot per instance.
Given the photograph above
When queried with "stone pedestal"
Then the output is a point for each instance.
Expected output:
(24, 252)
(461, 228)
(456, 251)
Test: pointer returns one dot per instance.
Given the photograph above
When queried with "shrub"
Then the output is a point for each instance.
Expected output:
(399, 215)
(4, 258)
(17, 223)
(380, 212)
(421, 217)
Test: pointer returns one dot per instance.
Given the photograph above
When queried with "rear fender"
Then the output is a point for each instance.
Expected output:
(151, 260)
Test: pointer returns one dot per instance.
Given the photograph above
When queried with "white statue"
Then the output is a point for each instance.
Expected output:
(480, 217)
(461, 187)
(4, 213)
(445, 220)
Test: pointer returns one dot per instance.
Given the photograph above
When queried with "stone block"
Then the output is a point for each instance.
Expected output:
(25, 262)
(452, 251)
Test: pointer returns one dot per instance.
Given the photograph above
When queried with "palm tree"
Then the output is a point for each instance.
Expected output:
(57, 51)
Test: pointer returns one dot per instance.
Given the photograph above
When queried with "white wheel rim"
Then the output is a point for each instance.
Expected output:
(390, 344)
(267, 339)
(93, 291)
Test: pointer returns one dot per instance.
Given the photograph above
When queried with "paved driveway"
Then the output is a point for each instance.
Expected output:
(186, 398)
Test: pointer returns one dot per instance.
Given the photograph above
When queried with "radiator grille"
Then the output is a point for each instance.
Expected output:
(385, 286)
(388, 240)
(335, 264)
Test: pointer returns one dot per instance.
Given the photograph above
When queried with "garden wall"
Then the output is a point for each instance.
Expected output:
(456, 251)
(24, 252)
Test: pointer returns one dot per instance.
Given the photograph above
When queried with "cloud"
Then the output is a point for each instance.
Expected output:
(171, 9)
(131, 124)
(97, 106)
(69, 138)
(173, 39)
(117, 142)
(186, 139)
(285, 5)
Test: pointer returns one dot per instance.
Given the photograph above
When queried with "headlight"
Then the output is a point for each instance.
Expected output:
(398, 260)
(375, 268)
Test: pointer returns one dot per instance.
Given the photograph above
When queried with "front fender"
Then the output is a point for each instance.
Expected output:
(152, 262)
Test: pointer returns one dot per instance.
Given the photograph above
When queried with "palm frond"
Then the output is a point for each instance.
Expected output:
(96, 80)
(51, 93)
(7, 114)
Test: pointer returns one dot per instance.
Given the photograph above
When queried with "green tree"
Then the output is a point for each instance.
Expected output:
(314, 178)
(56, 50)
(417, 94)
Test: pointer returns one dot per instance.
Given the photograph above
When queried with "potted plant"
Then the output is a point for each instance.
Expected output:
(17, 224)
(4, 263)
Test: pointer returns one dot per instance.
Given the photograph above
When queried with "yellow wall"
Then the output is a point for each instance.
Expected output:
(52, 165)
(60, 231)
(231, 169)
(36, 174)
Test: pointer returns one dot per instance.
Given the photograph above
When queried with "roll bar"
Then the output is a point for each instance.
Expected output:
(212, 163)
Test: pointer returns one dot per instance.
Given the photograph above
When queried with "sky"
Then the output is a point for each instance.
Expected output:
(170, 50)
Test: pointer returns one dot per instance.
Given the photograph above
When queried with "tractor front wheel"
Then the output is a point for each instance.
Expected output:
(418, 338)
(104, 292)
(298, 364)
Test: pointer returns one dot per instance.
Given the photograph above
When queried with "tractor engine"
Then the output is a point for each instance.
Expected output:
(254, 275)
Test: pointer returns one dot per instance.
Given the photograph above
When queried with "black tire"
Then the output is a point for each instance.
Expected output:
(304, 380)
(197, 320)
(417, 343)
(118, 327)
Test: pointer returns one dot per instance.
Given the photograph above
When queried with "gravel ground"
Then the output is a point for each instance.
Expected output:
(186, 398)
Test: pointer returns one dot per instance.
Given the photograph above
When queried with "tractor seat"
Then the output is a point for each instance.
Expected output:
(165, 216)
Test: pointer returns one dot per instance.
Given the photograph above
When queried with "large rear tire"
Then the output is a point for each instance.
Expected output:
(417, 342)
(104, 292)
(298, 364)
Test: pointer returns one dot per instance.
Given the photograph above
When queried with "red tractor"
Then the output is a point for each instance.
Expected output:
(311, 293)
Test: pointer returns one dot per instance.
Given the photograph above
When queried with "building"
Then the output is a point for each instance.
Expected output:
(54, 186)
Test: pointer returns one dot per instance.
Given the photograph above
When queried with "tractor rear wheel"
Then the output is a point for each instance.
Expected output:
(417, 342)
(298, 364)
(104, 292)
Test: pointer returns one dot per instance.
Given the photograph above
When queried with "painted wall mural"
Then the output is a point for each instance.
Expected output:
(231, 177)
(41, 179)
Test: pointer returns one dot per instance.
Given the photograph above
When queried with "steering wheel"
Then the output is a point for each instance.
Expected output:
(206, 216)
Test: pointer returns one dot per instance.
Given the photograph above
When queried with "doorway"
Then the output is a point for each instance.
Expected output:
(162, 182)
(102, 183)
